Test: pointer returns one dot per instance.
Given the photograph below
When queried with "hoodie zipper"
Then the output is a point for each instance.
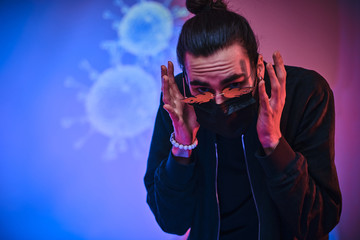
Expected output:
(216, 188)
(251, 185)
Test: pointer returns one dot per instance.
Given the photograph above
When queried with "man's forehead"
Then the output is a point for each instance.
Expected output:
(232, 59)
(243, 66)
(238, 66)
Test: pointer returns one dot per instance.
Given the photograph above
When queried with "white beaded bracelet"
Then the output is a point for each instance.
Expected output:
(181, 146)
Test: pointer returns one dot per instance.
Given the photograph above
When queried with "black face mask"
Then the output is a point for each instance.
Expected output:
(230, 118)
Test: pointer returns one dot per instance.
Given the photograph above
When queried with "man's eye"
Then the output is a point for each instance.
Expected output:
(203, 90)
(235, 85)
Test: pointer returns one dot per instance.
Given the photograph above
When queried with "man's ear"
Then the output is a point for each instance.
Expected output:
(260, 67)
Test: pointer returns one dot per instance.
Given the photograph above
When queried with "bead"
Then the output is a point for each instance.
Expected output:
(181, 146)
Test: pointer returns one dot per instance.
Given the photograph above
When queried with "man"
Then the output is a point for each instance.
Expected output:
(251, 152)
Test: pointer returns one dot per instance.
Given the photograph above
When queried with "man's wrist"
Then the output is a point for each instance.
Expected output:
(270, 147)
(177, 152)
(181, 155)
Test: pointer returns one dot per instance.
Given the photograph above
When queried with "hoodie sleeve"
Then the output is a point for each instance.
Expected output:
(301, 173)
(169, 184)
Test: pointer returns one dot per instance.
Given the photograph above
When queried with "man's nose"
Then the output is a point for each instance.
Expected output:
(219, 98)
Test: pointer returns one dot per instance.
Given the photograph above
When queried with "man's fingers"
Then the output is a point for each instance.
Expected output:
(163, 73)
(280, 68)
(275, 85)
(162, 78)
(163, 70)
(170, 69)
(165, 89)
(168, 82)
(174, 117)
(174, 90)
(170, 72)
(263, 97)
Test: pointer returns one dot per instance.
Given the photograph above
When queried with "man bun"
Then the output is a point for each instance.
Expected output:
(213, 28)
(198, 6)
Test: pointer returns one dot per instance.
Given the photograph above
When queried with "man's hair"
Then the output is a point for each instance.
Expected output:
(214, 28)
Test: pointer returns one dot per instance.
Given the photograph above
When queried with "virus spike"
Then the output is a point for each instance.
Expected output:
(93, 74)
(115, 52)
(70, 82)
(108, 15)
(120, 3)
(80, 142)
(123, 7)
(111, 150)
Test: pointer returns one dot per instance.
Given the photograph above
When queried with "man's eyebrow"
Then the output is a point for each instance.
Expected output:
(199, 83)
(229, 79)
(232, 78)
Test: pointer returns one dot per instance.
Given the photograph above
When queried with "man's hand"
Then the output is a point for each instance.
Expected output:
(268, 125)
(182, 115)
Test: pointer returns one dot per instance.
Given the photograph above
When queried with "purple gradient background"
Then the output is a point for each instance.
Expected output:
(48, 190)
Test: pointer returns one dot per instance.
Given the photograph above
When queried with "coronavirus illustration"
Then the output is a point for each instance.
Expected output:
(122, 99)
(146, 29)
(111, 108)
(115, 87)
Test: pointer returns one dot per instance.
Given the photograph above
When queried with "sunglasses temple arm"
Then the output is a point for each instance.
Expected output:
(184, 84)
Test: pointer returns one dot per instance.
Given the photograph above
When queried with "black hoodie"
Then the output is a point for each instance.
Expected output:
(295, 189)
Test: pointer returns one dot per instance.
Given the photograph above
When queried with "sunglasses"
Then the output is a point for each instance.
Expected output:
(227, 92)
(208, 96)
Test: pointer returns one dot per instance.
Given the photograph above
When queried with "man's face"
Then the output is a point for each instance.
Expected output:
(229, 67)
